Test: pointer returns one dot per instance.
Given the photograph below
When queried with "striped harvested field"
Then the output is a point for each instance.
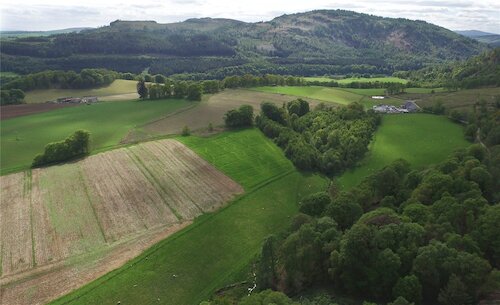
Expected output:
(56, 219)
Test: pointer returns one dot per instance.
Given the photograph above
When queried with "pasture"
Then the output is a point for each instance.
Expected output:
(61, 212)
(24, 137)
(119, 89)
(421, 139)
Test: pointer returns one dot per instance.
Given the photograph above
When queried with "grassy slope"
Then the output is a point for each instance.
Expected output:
(119, 86)
(326, 94)
(24, 137)
(213, 251)
(421, 139)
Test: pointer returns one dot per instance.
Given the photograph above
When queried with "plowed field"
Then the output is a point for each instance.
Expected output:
(58, 218)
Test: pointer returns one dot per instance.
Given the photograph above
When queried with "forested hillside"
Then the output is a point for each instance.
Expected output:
(482, 70)
(312, 43)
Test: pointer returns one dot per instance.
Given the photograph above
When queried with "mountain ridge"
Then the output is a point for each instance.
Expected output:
(316, 42)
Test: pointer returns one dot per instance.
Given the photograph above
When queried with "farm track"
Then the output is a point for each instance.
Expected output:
(57, 219)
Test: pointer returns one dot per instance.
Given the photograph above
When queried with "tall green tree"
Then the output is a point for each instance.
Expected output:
(142, 90)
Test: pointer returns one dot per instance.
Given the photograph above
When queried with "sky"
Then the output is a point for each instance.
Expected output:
(43, 15)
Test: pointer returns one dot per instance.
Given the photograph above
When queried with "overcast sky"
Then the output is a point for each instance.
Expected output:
(58, 14)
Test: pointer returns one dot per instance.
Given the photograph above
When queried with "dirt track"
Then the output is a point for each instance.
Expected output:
(65, 225)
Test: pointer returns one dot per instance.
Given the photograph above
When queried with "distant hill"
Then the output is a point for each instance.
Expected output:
(473, 33)
(312, 43)
(18, 34)
(484, 37)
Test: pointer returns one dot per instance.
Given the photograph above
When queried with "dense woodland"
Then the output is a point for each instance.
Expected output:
(482, 70)
(328, 140)
(87, 78)
(312, 43)
(400, 237)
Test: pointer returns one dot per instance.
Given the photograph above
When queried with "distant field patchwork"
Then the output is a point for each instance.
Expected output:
(52, 214)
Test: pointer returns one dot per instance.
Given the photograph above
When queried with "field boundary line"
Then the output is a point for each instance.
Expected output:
(149, 176)
(156, 247)
(195, 104)
(87, 194)
(27, 192)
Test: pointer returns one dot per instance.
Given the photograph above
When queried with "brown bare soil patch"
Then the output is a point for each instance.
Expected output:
(12, 111)
(66, 225)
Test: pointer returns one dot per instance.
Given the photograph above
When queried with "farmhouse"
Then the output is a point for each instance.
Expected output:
(377, 97)
(411, 106)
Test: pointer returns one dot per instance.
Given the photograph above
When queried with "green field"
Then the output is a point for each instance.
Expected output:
(357, 79)
(374, 79)
(341, 96)
(218, 247)
(24, 137)
(424, 90)
(118, 87)
(421, 139)
(333, 95)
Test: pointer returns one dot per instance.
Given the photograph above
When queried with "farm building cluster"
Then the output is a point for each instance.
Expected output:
(77, 100)
(407, 107)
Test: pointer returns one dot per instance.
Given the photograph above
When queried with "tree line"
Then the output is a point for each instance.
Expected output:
(87, 78)
(75, 146)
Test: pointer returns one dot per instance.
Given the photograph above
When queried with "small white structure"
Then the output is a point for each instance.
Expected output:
(378, 97)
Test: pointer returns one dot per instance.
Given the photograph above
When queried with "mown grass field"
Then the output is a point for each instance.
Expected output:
(24, 137)
(421, 139)
(117, 88)
(187, 267)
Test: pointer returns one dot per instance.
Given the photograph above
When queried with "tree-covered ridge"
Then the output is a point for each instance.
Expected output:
(317, 42)
(328, 140)
(481, 70)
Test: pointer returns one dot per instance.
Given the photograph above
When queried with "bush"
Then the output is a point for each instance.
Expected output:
(13, 96)
(76, 145)
(240, 117)
(185, 131)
